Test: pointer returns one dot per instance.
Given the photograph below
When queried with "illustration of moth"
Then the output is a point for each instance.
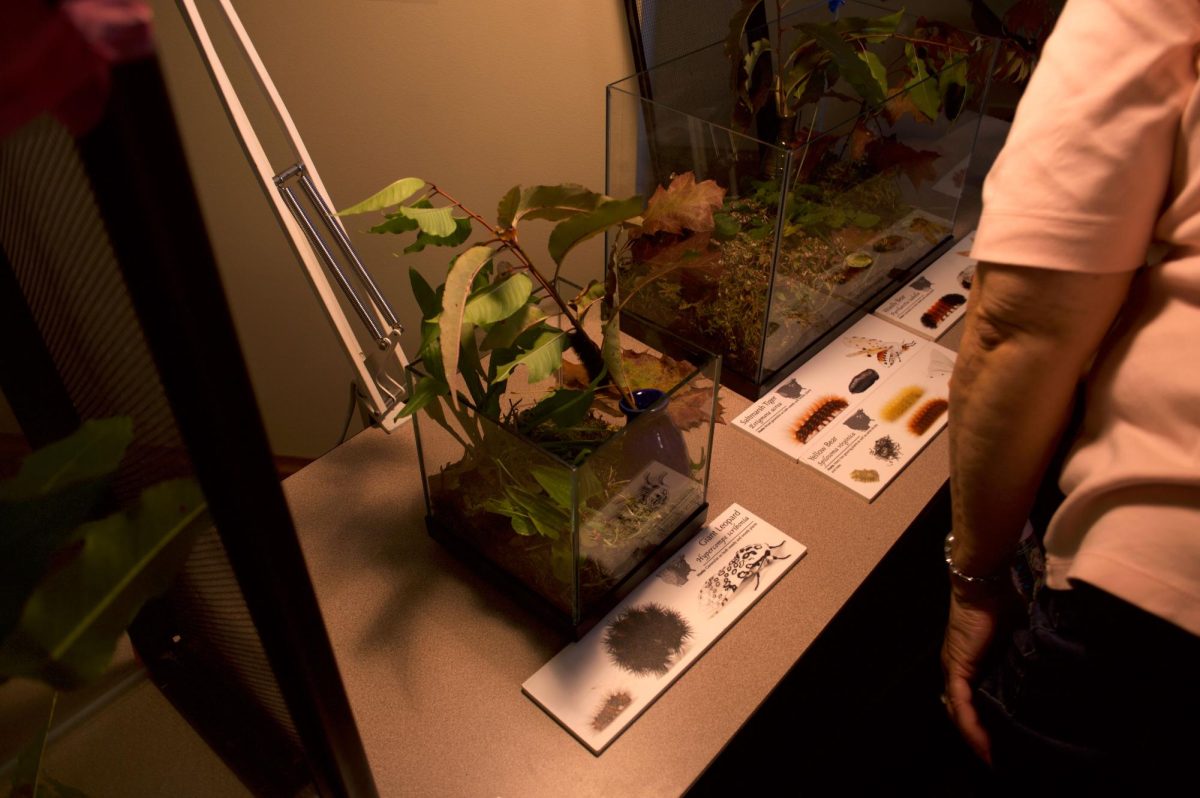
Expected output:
(886, 352)
(791, 389)
(676, 571)
(747, 562)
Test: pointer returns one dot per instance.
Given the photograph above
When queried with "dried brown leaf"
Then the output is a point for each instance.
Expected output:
(684, 205)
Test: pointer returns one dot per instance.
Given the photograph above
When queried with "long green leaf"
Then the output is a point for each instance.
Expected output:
(425, 391)
(56, 489)
(551, 203)
(541, 357)
(93, 451)
(499, 300)
(924, 92)
(565, 407)
(454, 302)
(878, 70)
(396, 224)
(593, 293)
(427, 298)
(462, 231)
(853, 68)
(571, 232)
(506, 332)
(434, 222)
(510, 203)
(610, 350)
(556, 481)
(385, 198)
(71, 623)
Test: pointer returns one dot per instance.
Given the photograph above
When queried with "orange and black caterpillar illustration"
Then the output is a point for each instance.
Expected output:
(939, 310)
(899, 404)
(926, 415)
(819, 414)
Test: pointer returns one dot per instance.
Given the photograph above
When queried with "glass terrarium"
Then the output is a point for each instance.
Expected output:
(836, 146)
(572, 518)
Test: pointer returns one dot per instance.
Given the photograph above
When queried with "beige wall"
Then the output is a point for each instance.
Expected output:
(476, 96)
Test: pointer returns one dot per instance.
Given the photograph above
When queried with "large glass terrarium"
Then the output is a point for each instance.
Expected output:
(572, 519)
(836, 147)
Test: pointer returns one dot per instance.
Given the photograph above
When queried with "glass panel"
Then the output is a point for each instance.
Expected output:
(830, 200)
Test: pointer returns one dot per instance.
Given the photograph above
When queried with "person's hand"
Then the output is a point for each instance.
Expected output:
(969, 634)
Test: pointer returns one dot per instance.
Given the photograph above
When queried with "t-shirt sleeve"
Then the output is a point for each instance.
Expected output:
(1086, 168)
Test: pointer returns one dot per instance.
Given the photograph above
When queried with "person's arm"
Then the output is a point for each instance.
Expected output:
(1030, 335)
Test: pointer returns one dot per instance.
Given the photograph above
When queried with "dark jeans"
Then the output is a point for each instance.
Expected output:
(1094, 696)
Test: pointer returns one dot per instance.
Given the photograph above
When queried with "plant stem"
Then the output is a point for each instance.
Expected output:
(583, 345)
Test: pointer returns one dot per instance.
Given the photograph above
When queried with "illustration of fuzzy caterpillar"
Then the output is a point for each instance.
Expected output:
(614, 704)
(900, 404)
(939, 310)
(819, 414)
(926, 415)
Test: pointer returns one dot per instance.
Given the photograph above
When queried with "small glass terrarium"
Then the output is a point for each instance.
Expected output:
(572, 518)
(839, 145)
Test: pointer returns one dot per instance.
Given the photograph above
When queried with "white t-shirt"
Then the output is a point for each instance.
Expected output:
(1103, 159)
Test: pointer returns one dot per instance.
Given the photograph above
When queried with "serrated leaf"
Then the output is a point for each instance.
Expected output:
(506, 332)
(462, 231)
(499, 300)
(71, 623)
(541, 357)
(557, 483)
(684, 205)
(924, 92)
(436, 222)
(853, 68)
(385, 198)
(570, 233)
(454, 301)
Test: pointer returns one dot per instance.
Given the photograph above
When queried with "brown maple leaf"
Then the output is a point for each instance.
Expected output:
(889, 153)
(684, 205)
(688, 407)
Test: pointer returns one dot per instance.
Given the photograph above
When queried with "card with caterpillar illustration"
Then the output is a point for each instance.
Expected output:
(930, 303)
(861, 409)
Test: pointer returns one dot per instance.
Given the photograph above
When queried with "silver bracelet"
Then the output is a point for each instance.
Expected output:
(973, 580)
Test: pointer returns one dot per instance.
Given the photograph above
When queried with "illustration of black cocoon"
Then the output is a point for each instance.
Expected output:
(863, 380)
(791, 389)
(921, 284)
(859, 421)
(644, 639)
(613, 705)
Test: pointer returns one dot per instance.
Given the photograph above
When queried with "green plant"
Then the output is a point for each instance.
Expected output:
(73, 573)
(491, 316)
(498, 311)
